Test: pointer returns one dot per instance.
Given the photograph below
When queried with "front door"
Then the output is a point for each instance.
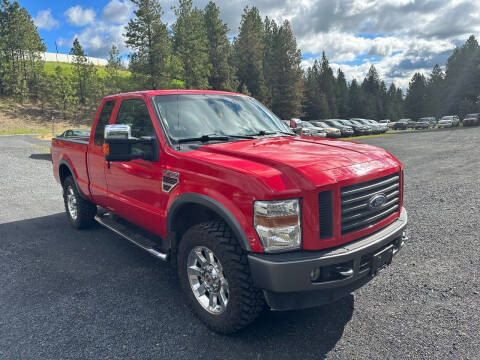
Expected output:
(135, 187)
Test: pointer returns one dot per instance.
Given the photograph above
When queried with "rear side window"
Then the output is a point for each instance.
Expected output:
(102, 121)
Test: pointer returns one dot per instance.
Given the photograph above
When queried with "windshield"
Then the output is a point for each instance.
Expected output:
(195, 115)
(447, 118)
(471, 116)
(321, 124)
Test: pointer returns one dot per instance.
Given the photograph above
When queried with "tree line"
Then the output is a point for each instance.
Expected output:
(263, 60)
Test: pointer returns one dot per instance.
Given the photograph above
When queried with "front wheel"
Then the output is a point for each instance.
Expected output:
(215, 277)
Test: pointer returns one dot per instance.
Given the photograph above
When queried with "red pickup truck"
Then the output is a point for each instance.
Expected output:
(246, 211)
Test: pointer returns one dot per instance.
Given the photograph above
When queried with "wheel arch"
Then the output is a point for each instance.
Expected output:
(193, 202)
(65, 170)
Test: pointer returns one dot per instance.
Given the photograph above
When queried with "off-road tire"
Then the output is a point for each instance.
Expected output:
(86, 210)
(246, 301)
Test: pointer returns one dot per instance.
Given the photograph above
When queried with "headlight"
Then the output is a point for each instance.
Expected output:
(278, 224)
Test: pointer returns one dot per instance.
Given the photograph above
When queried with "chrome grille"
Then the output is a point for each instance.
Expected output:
(356, 212)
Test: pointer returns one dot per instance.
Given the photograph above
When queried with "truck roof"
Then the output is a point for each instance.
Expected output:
(150, 93)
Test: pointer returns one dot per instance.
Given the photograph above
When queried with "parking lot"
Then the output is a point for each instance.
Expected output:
(68, 294)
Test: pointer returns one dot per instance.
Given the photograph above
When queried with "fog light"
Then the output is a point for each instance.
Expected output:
(315, 274)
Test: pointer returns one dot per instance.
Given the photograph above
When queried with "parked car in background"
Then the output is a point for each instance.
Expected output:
(344, 129)
(402, 124)
(329, 130)
(312, 129)
(376, 127)
(430, 119)
(385, 121)
(471, 120)
(445, 123)
(383, 127)
(75, 133)
(454, 118)
(422, 123)
(358, 128)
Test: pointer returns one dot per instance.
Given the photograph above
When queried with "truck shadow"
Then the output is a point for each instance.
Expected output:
(309, 332)
(49, 267)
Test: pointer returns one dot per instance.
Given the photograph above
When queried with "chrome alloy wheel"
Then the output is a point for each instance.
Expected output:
(207, 280)
(72, 203)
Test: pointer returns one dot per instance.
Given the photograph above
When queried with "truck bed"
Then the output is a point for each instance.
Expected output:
(72, 151)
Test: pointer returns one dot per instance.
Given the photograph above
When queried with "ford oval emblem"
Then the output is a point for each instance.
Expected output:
(377, 201)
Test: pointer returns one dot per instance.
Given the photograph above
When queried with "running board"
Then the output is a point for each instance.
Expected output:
(132, 236)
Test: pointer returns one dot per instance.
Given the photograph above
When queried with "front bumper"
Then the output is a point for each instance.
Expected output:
(286, 279)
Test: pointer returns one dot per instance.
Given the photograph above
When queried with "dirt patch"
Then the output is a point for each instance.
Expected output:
(32, 118)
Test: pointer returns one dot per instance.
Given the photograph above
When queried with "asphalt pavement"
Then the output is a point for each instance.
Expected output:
(69, 294)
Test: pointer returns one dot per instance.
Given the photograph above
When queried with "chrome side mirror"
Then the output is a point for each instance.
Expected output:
(118, 131)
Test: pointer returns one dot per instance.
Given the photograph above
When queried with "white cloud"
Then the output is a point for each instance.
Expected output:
(78, 16)
(44, 20)
(117, 11)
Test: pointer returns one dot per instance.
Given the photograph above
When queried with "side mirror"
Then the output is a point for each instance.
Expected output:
(119, 145)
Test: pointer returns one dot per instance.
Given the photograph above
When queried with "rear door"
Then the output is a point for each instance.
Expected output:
(95, 157)
(135, 187)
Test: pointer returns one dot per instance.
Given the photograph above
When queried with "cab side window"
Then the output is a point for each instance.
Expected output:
(105, 114)
(134, 112)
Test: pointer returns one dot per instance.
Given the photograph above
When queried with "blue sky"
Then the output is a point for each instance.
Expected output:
(399, 37)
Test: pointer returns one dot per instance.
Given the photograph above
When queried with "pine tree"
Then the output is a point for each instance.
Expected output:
(315, 105)
(20, 47)
(327, 85)
(435, 92)
(462, 76)
(285, 80)
(342, 95)
(357, 104)
(80, 72)
(114, 64)
(191, 45)
(249, 53)
(218, 49)
(148, 36)
(372, 94)
(63, 93)
(415, 101)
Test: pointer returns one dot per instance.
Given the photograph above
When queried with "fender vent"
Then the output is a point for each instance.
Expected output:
(169, 180)
(325, 214)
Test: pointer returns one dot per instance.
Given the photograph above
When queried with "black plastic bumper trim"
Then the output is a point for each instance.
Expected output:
(290, 272)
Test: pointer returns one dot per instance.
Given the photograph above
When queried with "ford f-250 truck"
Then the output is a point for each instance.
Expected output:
(248, 213)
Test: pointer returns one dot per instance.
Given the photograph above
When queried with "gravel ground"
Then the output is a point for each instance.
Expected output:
(67, 294)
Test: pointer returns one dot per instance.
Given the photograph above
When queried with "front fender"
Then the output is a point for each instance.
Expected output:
(231, 215)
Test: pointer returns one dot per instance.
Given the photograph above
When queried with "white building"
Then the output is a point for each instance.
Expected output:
(67, 58)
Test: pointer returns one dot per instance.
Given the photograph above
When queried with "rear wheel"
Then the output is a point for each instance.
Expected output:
(215, 277)
(80, 212)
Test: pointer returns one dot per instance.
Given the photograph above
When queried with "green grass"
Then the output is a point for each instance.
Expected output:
(20, 131)
(50, 67)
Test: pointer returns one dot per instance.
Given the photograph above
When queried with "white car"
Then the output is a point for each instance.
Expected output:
(445, 123)
(311, 130)
(453, 118)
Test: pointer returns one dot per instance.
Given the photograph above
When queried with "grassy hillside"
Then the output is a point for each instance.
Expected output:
(68, 68)
(30, 118)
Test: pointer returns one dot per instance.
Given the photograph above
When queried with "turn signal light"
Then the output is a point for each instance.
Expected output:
(106, 149)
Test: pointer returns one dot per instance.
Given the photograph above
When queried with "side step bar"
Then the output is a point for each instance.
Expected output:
(132, 236)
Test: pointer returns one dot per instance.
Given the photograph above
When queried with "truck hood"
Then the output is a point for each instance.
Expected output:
(302, 158)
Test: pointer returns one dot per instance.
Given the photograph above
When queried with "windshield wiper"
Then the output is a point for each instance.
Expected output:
(263, 133)
(204, 138)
